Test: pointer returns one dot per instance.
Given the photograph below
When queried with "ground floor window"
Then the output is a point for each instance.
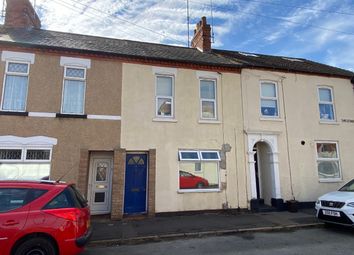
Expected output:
(199, 170)
(328, 164)
(25, 163)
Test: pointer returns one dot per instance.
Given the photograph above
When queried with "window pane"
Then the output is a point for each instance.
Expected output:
(207, 89)
(269, 107)
(63, 200)
(73, 101)
(24, 171)
(164, 107)
(189, 155)
(17, 68)
(10, 154)
(12, 198)
(327, 150)
(15, 93)
(325, 95)
(206, 178)
(208, 110)
(75, 73)
(328, 169)
(326, 112)
(210, 155)
(268, 90)
(38, 155)
(164, 86)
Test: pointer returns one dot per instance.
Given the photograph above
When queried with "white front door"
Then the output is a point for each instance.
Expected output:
(100, 184)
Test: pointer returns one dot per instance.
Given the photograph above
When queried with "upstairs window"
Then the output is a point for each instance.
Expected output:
(74, 90)
(15, 86)
(269, 99)
(326, 105)
(208, 99)
(328, 161)
(164, 96)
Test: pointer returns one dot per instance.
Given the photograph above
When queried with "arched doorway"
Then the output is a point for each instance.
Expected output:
(264, 171)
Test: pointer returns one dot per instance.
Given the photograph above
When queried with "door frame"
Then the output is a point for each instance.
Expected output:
(93, 157)
(146, 184)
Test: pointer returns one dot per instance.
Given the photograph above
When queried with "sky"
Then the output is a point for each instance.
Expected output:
(319, 30)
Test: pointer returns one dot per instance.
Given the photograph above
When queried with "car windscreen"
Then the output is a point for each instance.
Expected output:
(349, 187)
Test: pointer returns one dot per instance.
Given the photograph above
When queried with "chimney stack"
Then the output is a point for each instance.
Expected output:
(21, 14)
(202, 36)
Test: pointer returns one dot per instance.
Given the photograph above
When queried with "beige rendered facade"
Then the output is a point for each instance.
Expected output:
(185, 130)
(287, 145)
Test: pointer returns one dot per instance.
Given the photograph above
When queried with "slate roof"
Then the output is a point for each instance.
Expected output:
(40, 38)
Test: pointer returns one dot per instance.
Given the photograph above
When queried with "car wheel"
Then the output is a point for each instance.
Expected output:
(200, 185)
(36, 246)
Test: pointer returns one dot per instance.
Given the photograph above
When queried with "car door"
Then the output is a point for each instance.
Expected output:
(13, 213)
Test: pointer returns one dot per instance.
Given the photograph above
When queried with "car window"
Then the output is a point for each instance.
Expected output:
(348, 187)
(12, 198)
(82, 202)
(35, 194)
(63, 200)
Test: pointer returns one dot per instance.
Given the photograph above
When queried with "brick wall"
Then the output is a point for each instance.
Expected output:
(83, 175)
(118, 184)
(21, 14)
(151, 183)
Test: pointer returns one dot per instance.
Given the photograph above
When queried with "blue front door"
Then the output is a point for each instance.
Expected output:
(135, 183)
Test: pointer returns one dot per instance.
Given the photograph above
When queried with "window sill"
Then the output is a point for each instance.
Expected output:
(271, 119)
(181, 191)
(330, 180)
(73, 116)
(164, 120)
(9, 113)
(329, 122)
(209, 122)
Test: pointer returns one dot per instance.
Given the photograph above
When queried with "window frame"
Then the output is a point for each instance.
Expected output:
(28, 63)
(180, 158)
(24, 150)
(276, 99)
(157, 97)
(337, 159)
(208, 100)
(201, 171)
(327, 103)
(210, 151)
(84, 79)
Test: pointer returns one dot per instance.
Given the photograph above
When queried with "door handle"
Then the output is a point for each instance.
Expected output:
(10, 223)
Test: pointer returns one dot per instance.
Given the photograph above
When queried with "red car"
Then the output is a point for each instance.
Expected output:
(42, 218)
(190, 181)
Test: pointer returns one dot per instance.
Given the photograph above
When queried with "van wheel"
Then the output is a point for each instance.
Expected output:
(36, 246)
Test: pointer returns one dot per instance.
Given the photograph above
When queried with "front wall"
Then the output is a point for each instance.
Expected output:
(298, 96)
(140, 132)
(103, 96)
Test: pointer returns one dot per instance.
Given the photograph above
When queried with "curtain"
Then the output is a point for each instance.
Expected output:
(15, 93)
(74, 94)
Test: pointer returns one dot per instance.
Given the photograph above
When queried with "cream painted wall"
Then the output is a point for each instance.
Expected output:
(299, 121)
(141, 132)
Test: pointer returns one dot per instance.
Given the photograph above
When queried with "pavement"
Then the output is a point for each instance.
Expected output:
(158, 228)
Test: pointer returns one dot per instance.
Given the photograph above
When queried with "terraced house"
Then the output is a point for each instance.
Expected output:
(148, 128)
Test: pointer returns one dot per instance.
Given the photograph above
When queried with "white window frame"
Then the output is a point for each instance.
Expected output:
(199, 161)
(324, 102)
(329, 160)
(276, 99)
(16, 74)
(165, 97)
(24, 154)
(203, 159)
(188, 151)
(201, 100)
(76, 79)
